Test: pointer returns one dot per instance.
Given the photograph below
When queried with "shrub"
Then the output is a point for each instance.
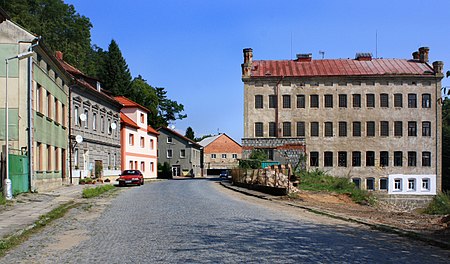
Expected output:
(93, 192)
(440, 205)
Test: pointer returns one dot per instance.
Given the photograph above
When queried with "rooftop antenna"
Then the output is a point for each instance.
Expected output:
(322, 53)
(376, 44)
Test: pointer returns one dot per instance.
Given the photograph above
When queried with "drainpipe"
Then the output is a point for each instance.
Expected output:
(70, 133)
(277, 111)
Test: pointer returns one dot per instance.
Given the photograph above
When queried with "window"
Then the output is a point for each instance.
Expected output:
(384, 100)
(109, 127)
(370, 100)
(75, 156)
(234, 156)
(370, 184)
(356, 159)
(142, 166)
(131, 139)
(412, 101)
(151, 144)
(142, 142)
(398, 128)
(357, 182)
(411, 184)
(131, 164)
(169, 140)
(152, 166)
(398, 158)
(286, 129)
(300, 129)
(259, 101)
(426, 129)
(397, 184)
(426, 100)
(370, 129)
(356, 100)
(314, 101)
(86, 122)
(259, 131)
(183, 153)
(94, 121)
(300, 101)
(425, 184)
(383, 184)
(426, 159)
(286, 101)
(342, 159)
(370, 158)
(412, 158)
(224, 156)
(328, 129)
(272, 129)
(384, 158)
(102, 123)
(342, 100)
(142, 118)
(169, 153)
(314, 129)
(412, 128)
(213, 156)
(356, 129)
(342, 129)
(314, 159)
(398, 100)
(328, 159)
(328, 101)
(384, 128)
(75, 115)
(272, 101)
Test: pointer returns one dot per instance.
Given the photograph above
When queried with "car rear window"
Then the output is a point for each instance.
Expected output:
(131, 172)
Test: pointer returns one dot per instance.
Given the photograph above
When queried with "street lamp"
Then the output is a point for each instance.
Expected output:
(8, 187)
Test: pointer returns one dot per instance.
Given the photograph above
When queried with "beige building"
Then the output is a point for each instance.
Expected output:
(375, 121)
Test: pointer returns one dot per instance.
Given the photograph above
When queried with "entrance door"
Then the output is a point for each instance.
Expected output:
(176, 170)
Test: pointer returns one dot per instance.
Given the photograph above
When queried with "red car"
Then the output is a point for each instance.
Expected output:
(131, 177)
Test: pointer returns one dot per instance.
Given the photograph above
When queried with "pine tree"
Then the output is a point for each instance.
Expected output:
(115, 74)
(190, 133)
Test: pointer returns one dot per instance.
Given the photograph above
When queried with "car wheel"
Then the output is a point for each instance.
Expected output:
(142, 183)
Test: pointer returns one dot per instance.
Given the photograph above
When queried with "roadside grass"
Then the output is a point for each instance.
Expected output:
(97, 191)
(440, 205)
(2, 200)
(318, 180)
(14, 240)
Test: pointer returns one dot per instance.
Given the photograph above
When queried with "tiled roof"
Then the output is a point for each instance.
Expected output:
(129, 103)
(179, 135)
(152, 130)
(127, 121)
(339, 67)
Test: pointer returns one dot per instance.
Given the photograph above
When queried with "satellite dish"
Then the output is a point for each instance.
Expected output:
(83, 117)
(79, 139)
(113, 126)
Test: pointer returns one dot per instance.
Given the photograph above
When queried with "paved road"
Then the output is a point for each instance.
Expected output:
(197, 221)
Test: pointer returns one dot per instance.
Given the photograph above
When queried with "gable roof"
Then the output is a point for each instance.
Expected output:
(129, 103)
(152, 130)
(170, 131)
(206, 141)
(339, 67)
(128, 121)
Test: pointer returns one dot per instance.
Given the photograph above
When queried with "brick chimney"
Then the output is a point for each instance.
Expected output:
(59, 55)
(247, 65)
(363, 56)
(423, 54)
(304, 57)
(416, 55)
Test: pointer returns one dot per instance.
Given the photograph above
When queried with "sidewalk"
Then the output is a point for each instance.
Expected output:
(27, 208)
(345, 217)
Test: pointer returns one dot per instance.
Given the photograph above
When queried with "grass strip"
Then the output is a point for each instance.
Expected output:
(16, 239)
(97, 191)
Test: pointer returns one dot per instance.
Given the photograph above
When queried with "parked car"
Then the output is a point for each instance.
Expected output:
(131, 177)
(224, 174)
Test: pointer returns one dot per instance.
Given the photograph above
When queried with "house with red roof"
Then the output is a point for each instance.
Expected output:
(220, 152)
(376, 121)
(139, 141)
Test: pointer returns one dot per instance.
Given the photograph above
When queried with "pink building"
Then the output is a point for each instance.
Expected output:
(138, 140)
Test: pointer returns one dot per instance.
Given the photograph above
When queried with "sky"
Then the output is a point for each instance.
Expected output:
(193, 48)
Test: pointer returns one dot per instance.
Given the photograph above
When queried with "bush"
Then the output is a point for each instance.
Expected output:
(93, 192)
(249, 164)
(440, 205)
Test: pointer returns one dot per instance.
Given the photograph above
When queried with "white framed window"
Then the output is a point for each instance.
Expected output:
(397, 184)
(411, 184)
(213, 156)
(169, 153)
(169, 140)
(76, 117)
(183, 153)
(94, 121)
(131, 139)
(86, 123)
(426, 184)
(234, 156)
(75, 158)
(224, 156)
(109, 127)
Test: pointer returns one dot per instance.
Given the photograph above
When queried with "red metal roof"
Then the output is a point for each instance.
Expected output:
(339, 67)
(129, 103)
(152, 130)
(127, 121)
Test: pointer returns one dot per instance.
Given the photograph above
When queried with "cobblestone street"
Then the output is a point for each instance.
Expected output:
(199, 221)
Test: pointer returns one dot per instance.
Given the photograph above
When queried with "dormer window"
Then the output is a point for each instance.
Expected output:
(142, 118)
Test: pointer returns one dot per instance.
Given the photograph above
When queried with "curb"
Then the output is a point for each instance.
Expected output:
(379, 227)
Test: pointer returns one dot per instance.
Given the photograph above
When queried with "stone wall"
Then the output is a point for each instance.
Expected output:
(403, 203)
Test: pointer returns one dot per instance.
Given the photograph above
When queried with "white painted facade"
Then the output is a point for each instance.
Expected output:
(417, 184)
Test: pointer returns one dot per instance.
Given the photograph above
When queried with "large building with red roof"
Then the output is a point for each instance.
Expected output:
(375, 121)
(138, 140)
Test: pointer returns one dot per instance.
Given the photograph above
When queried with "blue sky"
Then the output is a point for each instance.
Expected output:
(194, 48)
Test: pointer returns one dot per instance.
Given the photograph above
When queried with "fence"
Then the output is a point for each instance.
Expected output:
(274, 179)
(18, 172)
